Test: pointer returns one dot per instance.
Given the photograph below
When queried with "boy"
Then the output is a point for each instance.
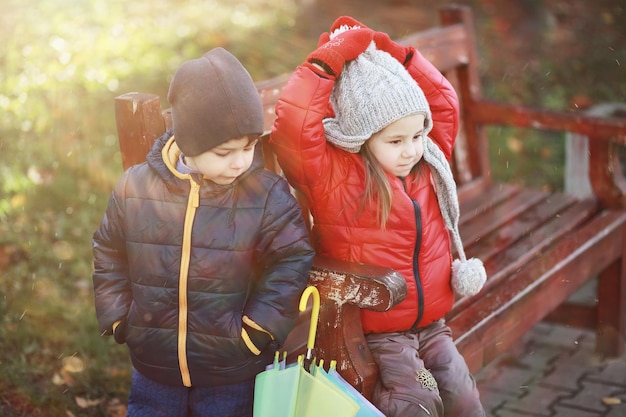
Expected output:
(202, 254)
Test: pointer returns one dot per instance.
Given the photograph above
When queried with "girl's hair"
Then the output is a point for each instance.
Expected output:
(377, 188)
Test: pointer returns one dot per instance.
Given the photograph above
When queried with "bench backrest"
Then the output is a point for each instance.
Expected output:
(451, 47)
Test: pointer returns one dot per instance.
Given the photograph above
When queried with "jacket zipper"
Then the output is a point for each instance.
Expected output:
(418, 244)
(193, 202)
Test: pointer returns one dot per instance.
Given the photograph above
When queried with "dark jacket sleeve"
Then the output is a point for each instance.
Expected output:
(110, 276)
(285, 255)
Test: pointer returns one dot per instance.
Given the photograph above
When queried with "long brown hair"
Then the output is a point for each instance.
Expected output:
(377, 188)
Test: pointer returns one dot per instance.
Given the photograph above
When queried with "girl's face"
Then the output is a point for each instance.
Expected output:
(399, 146)
(224, 163)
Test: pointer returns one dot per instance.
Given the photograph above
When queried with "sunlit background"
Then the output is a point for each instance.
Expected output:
(64, 62)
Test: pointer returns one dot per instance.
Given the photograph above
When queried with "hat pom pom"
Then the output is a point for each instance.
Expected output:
(468, 277)
(343, 28)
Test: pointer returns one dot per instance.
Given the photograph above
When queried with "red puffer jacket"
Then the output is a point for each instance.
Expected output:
(415, 242)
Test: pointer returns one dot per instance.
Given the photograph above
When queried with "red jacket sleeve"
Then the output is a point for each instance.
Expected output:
(442, 98)
(297, 136)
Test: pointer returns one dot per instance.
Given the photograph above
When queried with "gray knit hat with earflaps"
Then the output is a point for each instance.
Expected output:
(373, 91)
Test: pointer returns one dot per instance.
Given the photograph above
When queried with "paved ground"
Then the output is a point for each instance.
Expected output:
(553, 372)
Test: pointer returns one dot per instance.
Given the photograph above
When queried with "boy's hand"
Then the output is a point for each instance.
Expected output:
(399, 52)
(344, 47)
(255, 340)
(119, 331)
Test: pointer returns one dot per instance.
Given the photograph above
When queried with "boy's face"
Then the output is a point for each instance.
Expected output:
(224, 163)
(400, 145)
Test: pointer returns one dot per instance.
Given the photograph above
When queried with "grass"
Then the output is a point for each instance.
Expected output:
(64, 62)
(47, 308)
(528, 157)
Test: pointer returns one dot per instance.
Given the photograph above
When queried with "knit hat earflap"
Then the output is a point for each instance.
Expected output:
(373, 91)
(468, 275)
(213, 100)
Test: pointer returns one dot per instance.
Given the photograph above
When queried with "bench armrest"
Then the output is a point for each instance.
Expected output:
(364, 286)
(345, 288)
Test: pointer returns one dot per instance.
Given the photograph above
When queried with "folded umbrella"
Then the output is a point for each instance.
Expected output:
(292, 391)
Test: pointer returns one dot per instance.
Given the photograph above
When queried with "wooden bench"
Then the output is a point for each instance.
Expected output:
(538, 247)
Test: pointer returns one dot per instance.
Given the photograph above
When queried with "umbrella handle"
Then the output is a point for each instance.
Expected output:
(315, 312)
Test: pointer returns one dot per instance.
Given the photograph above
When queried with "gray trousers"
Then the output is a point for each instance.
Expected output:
(423, 374)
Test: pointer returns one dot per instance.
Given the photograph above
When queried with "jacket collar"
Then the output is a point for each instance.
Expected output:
(165, 153)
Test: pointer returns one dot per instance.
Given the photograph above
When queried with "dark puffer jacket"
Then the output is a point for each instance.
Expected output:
(180, 261)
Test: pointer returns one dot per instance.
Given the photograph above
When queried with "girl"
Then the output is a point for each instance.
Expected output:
(353, 133)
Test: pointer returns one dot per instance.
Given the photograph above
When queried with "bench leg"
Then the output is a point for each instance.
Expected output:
(611, 324)
(340, 337)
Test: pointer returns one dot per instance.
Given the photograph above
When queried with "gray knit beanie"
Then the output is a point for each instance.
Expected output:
(373, 91)
(213, 100)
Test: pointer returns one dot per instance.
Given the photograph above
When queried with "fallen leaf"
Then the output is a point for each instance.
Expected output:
(611, 400)
(68, 379)
(63, 250)
(608, 18)
(57, 379)
(581, 102)
(73, 364)
(545, 152)
(115, 408)
(85, 403)
(515, 145)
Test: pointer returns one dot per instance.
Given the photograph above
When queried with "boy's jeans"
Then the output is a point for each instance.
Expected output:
(151, 399)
